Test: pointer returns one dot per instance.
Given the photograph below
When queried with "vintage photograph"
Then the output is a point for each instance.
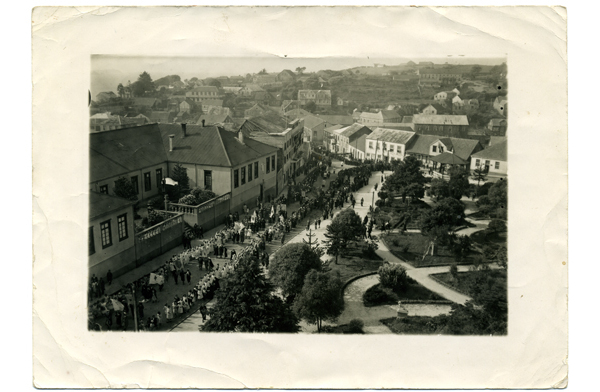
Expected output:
(333, 195)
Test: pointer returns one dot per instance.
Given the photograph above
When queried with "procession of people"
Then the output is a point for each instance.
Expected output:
(217, 258)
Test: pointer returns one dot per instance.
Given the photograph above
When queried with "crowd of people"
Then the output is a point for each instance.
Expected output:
(266, 223)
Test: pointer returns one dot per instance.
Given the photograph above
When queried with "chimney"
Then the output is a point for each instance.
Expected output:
(171, 143)
(241, 136)
(203, 122)
(184, 129)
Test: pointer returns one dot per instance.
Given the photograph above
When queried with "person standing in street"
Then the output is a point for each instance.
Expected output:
(109, 277)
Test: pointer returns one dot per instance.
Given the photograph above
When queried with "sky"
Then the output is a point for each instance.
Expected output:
(107, 71)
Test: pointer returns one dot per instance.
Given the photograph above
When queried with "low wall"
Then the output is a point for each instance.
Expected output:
(208, 214)
(159, 239)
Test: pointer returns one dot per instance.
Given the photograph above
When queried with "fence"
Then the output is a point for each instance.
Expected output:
(208, 214)
(159, 238)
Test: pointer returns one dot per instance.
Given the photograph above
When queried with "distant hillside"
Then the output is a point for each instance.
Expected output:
(167, 80)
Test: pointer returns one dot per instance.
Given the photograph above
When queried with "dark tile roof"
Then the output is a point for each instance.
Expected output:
(464, 148)
(311, 121)
(101, 204)
(161, 116)
(212, 146)
(496, 152)
(144, 102)
(420, 144)
(127, 149)
(355, 131)
(334, 127)
(449, 158)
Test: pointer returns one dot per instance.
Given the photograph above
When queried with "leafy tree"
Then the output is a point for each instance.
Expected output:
(439, 189)
(345, 228)
(479, 175)
(459, 182)
(461, 247)
(124, 188)
(406, 173)
(183, 181)
(121, 90)
(393, 276)
(497, 226)
(448, 211)
(310, 106)
(300, 70)
(143, 84)
(415, 191)
(290, 266)
(212, 82)
(475, 70)
(263, 71)
(320, 298)
(495, 202)
(245, 302)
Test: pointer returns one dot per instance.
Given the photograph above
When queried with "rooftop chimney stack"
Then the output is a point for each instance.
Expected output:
(184, 129)
(171, 143)
(241, 136)
(203, 121)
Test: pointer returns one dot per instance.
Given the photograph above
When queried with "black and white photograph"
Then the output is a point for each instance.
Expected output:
(339, 196)
(300, 197)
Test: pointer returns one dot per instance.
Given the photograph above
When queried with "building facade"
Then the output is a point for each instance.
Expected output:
(387, 144)
(319, 97)
(199, 94)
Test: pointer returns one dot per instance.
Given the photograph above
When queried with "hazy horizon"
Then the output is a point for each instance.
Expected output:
(107, 71)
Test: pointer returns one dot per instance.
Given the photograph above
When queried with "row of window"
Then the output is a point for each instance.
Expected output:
(392, 147)
(106, 233)
(243, 171)
(487, 164)
(204, 93)
(135, 182)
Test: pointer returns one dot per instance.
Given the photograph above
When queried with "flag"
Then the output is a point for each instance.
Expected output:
(156, 279)
(169, 181)
(117, 306)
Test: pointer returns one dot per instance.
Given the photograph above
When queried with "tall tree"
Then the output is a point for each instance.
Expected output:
(320, 298)
(263, 71)
(143, 85)
(212, 82)
(439, 189)
(121, 90)
(124, 188)
(310, 106)
(245, 302)
(300, 70)
(479, 175)
(183, 181)
(459, 182)
(346, 227)
(290, 265)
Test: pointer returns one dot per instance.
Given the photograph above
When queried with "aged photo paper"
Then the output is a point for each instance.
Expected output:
(77, 50)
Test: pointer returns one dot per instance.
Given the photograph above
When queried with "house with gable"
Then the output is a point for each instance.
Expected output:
(493, 159)
(387, 144)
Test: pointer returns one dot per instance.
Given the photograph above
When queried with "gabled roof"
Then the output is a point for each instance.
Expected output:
(419, 144)
(352, 131)
(213, 119)
(101, 203)
(334, 128)
(391, 135)
(253, 87)
(211, 146)
(337, 119)
(121, 151)
(389, 115)
(440, 119)
(496, 140)
(297, 113)
(311, 121)
(496, 152)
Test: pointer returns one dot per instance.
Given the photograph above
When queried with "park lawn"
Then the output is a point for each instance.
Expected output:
(417, 244)
(387, 296)
(488, 237)
(468, 281)
(355, 263)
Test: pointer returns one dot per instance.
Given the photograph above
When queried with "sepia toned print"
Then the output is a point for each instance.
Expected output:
(344, 196)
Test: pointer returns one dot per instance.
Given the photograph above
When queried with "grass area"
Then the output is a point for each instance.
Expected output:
(379, 295)
(474, 283)
(355, 263)
(410, 247)
(395, 212)
(489, 237)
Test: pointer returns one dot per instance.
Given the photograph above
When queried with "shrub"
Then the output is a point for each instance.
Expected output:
(405, 248)
(377, 296)
(497, 225)
(394, 277)
(355, 326)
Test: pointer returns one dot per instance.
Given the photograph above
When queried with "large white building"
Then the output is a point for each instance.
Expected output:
(387, 144)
